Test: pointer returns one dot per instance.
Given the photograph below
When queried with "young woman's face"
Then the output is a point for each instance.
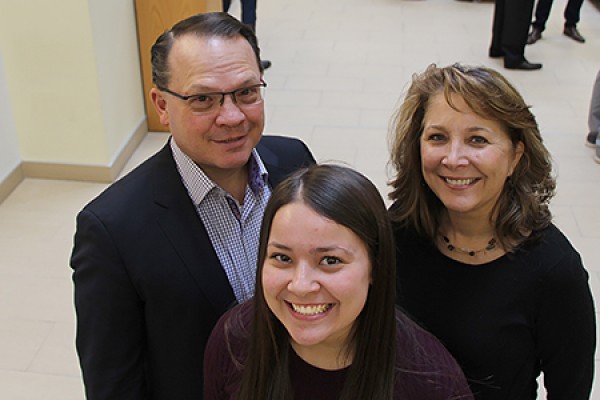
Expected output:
(315, 277)
(465, 159)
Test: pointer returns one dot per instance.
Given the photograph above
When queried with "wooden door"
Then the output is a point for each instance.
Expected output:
(153, 18)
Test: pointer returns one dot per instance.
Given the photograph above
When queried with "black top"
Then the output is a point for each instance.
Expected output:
(507, 320)
(310, 382)
(433, 374)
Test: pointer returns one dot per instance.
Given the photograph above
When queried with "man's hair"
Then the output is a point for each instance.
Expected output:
(214, 24)
(522, 208)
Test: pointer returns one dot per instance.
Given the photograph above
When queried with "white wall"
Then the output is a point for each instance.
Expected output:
(118, 70)
(73, 78)
(9, 151)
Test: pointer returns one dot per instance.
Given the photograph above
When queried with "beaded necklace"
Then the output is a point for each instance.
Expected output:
(491, 245)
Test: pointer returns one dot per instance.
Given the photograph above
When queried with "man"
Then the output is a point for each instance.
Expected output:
(593, 139)
(248, 17)
(542, 11)
(248, 11)
(164, 252)
(509, 33)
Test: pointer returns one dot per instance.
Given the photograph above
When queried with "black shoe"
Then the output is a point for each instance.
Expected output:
(523, 65)
(534, 35)
(590, 140)
(574, 34)
(265, 64)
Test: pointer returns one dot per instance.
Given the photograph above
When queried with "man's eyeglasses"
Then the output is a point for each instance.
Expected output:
(204, 103)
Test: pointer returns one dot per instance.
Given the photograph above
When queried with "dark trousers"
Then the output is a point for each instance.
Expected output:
(248, 11)
(594, 117)
(542, 11)
(511, 26)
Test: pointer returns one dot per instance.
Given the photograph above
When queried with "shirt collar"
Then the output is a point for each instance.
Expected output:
(198, 184)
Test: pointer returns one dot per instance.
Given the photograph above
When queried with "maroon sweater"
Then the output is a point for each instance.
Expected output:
(433, 374)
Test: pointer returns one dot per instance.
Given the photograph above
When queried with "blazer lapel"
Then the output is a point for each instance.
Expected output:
(186, 233)
(273, 166)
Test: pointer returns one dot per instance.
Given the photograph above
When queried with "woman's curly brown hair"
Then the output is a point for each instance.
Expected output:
(522, 209)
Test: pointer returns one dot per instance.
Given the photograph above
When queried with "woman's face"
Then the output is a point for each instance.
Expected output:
(465, 159)
(315, 277)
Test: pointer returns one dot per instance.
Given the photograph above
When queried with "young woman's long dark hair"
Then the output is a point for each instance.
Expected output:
(349, 199)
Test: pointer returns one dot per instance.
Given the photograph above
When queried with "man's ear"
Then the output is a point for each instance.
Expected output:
(160, 105)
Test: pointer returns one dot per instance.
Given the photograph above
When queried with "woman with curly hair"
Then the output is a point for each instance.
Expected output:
(479, 262)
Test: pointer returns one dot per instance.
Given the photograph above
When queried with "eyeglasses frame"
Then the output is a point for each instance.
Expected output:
(232, 93)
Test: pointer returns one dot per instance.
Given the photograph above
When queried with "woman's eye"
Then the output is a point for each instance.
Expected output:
(281, 257)
(435, 137)
(330, 260)
(479, 140)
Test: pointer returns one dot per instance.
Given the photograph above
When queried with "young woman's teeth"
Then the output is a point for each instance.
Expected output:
(459, 181)
(311, 310)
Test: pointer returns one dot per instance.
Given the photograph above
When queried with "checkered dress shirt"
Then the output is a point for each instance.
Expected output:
(233, 228)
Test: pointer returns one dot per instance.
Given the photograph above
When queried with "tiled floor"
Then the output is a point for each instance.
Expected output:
(339, 68)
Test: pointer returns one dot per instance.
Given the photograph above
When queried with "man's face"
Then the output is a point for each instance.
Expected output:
(220, 141)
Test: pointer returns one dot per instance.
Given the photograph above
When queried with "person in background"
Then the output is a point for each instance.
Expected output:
(542, 12)
(323, 324)
(248, 18)
(164, 252)
(480, 263)
(509, 33)
(592, 139)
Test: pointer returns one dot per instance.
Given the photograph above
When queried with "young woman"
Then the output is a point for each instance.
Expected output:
(323, 323)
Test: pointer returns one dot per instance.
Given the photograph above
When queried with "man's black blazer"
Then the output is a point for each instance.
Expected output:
(148, 284)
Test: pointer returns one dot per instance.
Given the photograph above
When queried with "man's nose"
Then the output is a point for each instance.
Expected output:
(229, 112)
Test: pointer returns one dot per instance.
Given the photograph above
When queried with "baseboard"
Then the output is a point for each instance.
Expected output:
(88, 173)
(127, 151)
(74, 172)
(11, 182)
